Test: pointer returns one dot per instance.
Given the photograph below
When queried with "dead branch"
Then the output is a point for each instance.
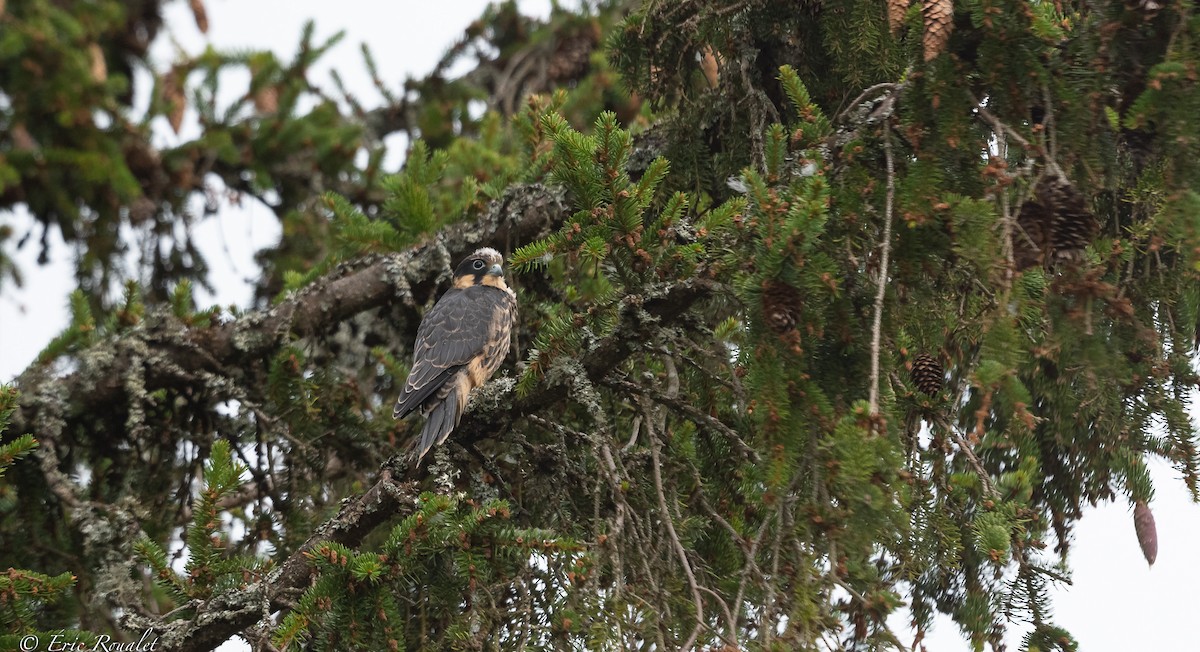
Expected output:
(885, 246)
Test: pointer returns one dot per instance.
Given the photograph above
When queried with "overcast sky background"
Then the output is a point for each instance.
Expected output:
(1117, 604)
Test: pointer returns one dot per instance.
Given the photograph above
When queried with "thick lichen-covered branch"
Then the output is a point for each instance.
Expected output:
(234, 611)
(394, 493)
(411, 277)
(637, 314)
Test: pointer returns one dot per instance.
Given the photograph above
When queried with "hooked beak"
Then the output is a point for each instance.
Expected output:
(496, 270)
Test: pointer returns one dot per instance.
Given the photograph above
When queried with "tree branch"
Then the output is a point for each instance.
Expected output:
(886, 246)
(164, 353)
(637, 314)
(394, 494)
(524, 214)
(233, 612)
(669, 524)
(687, 410)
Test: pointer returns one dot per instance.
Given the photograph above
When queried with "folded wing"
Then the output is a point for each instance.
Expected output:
(452, 333)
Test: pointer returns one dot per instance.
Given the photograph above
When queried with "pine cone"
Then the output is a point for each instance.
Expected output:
(572, 55)
(896, 10)
(781, 306)
(1072, 226)
(927, 374)
(939, 22)
(200, 15)
(1147, 532)
(174, 96)
(1029, 240)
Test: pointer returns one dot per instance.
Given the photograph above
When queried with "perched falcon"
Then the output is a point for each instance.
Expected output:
(461, 342)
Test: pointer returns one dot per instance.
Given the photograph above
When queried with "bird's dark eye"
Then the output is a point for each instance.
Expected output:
(477, 264)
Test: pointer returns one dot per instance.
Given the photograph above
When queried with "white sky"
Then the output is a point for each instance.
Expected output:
(1116, 605)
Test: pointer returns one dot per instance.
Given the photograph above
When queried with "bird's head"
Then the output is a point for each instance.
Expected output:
(484, 267)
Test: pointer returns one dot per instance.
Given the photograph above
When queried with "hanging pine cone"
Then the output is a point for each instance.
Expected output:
(1072, 226)
(1147, 532)
(781, 306)
(896, 10)
(939, 22)
(572, 54)
(927, 374)
(1029, 240)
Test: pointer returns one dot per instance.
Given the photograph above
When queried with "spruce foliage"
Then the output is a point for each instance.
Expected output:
(826, 310)
(29, 601)
(448, 557)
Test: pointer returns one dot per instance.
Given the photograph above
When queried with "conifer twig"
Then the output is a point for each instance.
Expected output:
(669, 523)
(672, 392)
(729, 621)
(769, 601)
(969, 452)
(999, 126)
(886, 247)
(877, 89)
(1007, 222)
(863, 601)
(1050, 129)
(688, 410)
(965, 447)
(1041, 570)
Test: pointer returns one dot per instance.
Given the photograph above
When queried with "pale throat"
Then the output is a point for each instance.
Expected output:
(464, 282)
